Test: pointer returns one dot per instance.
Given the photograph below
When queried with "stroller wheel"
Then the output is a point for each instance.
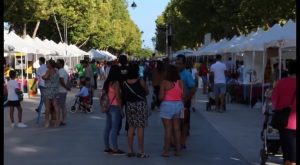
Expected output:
(152, 106)
(73, 109)
(263, 157)
(207, 107)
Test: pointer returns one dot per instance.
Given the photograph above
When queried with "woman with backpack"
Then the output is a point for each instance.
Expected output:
(113, 114)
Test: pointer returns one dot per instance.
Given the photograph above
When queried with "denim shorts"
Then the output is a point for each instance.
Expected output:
(170, 109)
(219, 88)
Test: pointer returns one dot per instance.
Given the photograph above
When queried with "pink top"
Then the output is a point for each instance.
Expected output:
(174, 94)
(112, 96)
(282, 96)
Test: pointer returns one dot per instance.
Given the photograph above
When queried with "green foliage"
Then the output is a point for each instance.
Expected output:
(102, 25)
(192, 19)
(143, 53)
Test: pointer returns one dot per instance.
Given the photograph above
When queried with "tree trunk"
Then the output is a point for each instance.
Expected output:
(37, 25)
(84, 42)
(24, 30)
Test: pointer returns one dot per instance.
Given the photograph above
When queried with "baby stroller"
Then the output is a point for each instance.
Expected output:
(79, 106)
(211, 99)
(270, 137)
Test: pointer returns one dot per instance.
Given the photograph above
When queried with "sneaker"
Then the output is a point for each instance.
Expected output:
(193, 109)
(118, 152)
(22, 125)
(13, 125)
(108, 150)
(62, 124)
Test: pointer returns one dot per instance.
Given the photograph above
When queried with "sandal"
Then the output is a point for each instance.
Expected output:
(142, 155)
(177, 154)
(165, 155)
(130, 154)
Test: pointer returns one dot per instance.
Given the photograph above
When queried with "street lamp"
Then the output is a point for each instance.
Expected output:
(133, 5)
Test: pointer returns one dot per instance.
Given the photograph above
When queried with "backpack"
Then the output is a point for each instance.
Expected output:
(104, 101)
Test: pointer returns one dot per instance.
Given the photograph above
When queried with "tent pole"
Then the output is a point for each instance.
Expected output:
(279, 49)
(26, 66)
(22, 78)
(251, 80)
(263, 76)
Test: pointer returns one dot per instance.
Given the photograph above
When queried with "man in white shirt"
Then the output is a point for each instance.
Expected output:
(62, 90)
(41, 83)
(218, 69)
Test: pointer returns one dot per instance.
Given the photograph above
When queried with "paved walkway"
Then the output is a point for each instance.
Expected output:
(228, 138)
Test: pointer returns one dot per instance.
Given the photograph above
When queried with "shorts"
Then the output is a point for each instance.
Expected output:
(62, 99)
(15, 103)
(170, 109)
(219, 88)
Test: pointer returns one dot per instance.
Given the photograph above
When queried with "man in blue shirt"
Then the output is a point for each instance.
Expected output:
(189, 89)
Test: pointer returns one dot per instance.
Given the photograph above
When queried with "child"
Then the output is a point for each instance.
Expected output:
(13, 99)
(83, 95)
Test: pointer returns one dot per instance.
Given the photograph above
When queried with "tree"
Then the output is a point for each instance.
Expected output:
(192, 19)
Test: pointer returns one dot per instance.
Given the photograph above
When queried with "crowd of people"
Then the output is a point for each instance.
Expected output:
(127, 83)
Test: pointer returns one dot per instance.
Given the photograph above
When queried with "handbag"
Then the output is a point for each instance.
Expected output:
(281, 116)
(104, 102)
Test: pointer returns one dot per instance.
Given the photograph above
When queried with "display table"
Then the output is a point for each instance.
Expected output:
(241, 92)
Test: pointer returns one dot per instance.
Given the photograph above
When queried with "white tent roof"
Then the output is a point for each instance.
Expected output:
(108, 54)
(55, 46)
(256, 41)
(77, 50)
(211, 49)
(197, 53)
(94, 54)
(185, 52)
(252, 42)
(44, 46)
(287, 36)
(18, 43)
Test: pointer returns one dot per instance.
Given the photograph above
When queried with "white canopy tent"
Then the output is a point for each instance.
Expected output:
(94, 54)
(44, 46)
(20, 44)
(185, 52)
(285, 40)
(108, 56)
(211, 48)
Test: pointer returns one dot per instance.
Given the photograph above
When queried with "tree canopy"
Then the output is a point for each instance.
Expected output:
(104, 24)
(192, 19)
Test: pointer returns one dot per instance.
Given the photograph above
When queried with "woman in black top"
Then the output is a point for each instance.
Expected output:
(134, 92)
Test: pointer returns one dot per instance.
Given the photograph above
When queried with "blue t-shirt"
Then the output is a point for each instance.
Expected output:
(187, 80)
(141, 71)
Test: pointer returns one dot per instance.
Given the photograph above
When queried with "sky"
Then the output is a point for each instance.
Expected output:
(144, 16)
